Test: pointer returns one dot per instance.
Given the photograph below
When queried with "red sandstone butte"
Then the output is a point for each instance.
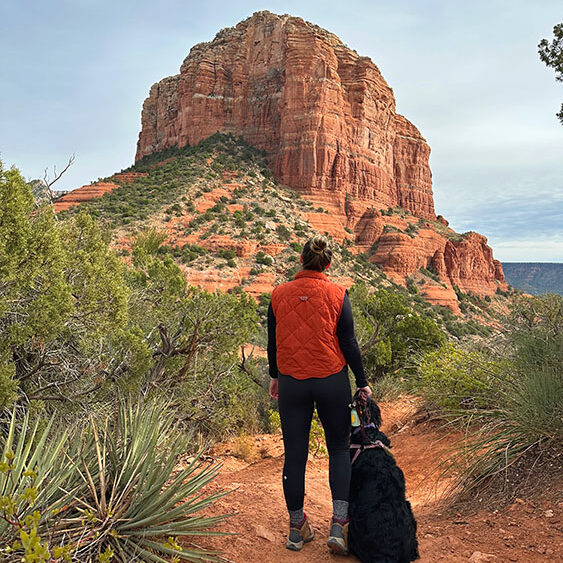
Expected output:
(325, 115)
(326, 118)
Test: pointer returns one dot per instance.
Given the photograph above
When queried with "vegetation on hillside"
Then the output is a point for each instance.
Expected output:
(79, 330)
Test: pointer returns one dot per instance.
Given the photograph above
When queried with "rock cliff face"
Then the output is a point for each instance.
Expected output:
(324, 115)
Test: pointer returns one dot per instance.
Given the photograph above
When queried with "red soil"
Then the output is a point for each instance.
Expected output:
(526, 531)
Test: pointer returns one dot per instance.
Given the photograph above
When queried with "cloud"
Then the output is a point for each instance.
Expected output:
(541, 249)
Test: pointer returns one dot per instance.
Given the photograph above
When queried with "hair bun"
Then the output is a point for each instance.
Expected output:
(318, 244)
(317, 253)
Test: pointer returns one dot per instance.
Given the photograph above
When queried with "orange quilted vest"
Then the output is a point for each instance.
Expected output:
(307, 311)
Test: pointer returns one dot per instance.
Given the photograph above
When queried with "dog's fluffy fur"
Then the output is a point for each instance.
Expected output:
(382, 525)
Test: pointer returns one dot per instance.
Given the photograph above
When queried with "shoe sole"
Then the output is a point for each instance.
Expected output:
(298, 546)
(336, 546)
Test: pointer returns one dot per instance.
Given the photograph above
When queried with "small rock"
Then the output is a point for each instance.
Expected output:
(548, 513)
(519, 501)
(264, 533)
(478, 557)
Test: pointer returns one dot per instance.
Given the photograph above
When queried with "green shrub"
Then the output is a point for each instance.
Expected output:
(411, 285)
(398, 332)
(453, 379)
(263, 258)
(227, 254)
(411, 230)
(388, 388)
(116, 481)
(283, 232)
(190, 252)
(511, 398)
(175, 209)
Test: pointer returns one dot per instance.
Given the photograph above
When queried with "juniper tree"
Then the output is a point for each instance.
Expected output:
(552, 55)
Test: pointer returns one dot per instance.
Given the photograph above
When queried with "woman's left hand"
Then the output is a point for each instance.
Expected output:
(274, 388)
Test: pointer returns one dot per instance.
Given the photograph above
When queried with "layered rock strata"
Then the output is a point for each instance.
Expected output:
(325, 115)
(93, 191)
(326, 119)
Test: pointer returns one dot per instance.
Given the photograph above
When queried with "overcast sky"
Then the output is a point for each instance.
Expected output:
(74, 75)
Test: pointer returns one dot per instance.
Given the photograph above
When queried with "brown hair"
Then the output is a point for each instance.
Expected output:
(317, 253)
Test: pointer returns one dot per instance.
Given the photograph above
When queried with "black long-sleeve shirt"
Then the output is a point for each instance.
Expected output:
(346, 340)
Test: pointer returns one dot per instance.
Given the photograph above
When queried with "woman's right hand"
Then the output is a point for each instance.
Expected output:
(365, 390)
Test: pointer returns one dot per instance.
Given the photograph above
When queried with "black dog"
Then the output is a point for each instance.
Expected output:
(382, 525)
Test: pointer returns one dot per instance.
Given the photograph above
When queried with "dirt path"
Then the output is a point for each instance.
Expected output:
(524, 532)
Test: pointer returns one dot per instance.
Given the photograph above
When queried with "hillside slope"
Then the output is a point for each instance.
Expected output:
(326, 120)
(232, 227)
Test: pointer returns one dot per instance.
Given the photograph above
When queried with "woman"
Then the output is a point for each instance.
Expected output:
(310, 344)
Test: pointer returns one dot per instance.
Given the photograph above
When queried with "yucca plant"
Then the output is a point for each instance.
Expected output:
(119, 495)
(528, 420)
(33, 471)
(135, 502)
(509, 398)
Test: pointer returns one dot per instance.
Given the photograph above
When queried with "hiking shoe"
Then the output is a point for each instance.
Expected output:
(300, 535)
(338, 538)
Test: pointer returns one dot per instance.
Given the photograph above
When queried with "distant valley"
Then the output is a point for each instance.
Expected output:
(535, 277)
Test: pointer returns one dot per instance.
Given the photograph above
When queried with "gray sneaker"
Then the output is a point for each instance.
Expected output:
(338, 538)
(299, 536)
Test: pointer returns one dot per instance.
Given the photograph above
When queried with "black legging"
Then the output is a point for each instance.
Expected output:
(297, 399)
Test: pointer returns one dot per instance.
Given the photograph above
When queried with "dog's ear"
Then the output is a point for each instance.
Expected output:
(375, 413)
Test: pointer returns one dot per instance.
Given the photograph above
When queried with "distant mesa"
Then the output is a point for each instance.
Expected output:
(535, 277)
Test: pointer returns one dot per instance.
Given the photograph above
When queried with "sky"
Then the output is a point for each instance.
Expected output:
(74, 75)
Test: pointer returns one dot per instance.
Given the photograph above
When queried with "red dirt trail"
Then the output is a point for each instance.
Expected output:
(526, 531)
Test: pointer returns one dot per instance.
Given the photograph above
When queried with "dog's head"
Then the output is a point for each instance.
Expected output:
(374, 412)
(370, 421)
(368, 410)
